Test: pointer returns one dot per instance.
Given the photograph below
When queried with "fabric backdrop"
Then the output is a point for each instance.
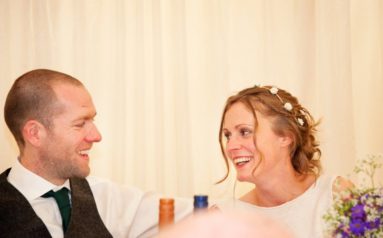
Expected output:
(160, 71)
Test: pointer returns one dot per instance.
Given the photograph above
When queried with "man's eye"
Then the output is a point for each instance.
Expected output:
(82, 124)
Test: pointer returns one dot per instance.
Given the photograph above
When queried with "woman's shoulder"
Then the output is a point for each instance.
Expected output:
(341, 184)
(335, 184)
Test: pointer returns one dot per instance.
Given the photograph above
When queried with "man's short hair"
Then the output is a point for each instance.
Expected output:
(32, 97)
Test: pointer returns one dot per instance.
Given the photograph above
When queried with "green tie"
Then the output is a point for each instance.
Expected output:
(62, 199)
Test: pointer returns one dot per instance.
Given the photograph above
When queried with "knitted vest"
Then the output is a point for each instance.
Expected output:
(18, 219)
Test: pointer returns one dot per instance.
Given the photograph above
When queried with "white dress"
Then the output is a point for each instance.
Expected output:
(303, 215)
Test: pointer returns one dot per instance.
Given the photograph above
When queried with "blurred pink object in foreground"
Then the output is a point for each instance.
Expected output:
(225, 225)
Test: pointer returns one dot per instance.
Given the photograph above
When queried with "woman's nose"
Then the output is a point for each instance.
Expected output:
(233, 144)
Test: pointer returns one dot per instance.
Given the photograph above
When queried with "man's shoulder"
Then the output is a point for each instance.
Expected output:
(4, 174)
(100, 186)
(3, 179)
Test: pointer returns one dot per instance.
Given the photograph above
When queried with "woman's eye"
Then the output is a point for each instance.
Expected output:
(245, 132)
(227, 136)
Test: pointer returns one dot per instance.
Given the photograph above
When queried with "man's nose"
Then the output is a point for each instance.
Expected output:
(94, 135)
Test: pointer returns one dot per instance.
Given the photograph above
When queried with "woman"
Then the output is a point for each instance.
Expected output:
(270, 139)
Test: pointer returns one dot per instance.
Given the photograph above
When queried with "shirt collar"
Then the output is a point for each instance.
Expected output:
(30, 184)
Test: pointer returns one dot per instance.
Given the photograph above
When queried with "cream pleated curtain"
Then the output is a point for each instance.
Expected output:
(160, 71)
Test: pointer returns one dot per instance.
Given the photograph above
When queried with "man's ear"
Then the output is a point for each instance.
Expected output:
(33, 132)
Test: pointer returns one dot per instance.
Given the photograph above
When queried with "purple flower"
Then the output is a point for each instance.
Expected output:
(357, 212)
(373, 224)
(357, 226)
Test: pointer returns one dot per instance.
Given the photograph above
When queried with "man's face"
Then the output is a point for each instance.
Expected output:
(64, 151)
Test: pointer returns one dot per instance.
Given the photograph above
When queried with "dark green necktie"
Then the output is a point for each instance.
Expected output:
(62, 199)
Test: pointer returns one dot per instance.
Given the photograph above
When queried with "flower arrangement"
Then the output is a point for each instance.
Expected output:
(358, 212)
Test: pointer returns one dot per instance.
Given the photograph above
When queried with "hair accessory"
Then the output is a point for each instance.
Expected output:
(274, 90)
(300, 121)
(287, 105)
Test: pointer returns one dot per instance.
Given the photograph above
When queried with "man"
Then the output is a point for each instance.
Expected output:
(47, 192)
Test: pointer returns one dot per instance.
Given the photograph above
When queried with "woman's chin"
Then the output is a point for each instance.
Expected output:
(243, 178)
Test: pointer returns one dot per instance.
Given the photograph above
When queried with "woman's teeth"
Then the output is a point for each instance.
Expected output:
(241, 160)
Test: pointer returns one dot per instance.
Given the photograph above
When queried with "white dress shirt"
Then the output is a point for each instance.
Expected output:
(125, 211)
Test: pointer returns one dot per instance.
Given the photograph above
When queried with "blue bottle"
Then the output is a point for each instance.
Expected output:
(200, 202)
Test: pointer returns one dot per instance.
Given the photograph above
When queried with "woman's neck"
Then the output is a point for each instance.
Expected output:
(274, 192)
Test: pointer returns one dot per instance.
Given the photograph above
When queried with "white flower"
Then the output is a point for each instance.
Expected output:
(288, 106)
(274, 90)
(300, 121)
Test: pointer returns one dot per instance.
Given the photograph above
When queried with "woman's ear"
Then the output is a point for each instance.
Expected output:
(33, 132)
(286, 140)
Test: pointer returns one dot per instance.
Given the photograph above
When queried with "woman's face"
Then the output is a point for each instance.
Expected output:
(245, 144)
